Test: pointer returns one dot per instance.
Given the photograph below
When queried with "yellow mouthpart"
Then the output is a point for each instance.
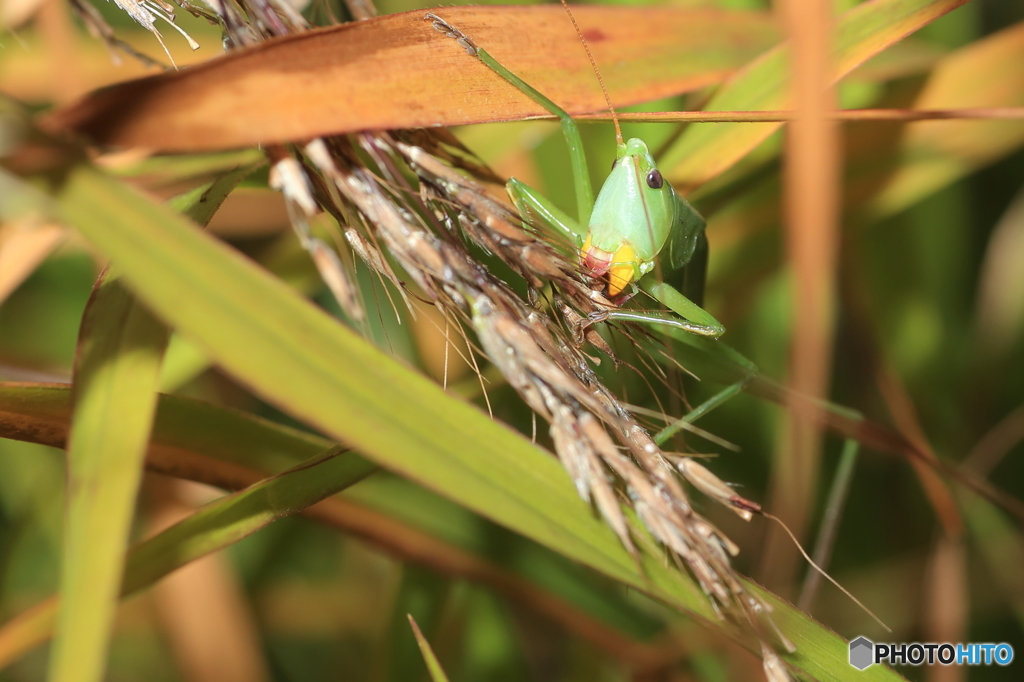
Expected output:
(622, 271)
(621, 266)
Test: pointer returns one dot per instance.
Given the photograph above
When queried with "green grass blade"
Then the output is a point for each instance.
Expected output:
(237, 516)
(200, 203)
(120, 349)
(433, 666)
(704, 151)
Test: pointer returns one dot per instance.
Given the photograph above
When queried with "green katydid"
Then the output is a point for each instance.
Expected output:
(637, 217)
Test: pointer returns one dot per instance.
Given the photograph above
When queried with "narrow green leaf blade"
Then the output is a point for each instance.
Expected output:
(229, 519)
(433, 666)
(120, 349)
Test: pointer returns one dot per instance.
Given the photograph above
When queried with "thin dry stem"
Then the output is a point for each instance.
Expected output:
(776, 116)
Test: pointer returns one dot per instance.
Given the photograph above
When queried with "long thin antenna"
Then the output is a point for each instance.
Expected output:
(821, 570)
(597, 71)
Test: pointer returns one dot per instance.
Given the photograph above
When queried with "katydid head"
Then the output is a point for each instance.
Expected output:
(637, 213)
(633, 217)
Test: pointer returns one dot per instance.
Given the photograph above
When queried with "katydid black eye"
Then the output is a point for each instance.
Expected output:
(654, 179)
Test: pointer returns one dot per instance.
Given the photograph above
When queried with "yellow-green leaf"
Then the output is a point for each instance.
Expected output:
(115, 388)
(705, 150)
(933, 154)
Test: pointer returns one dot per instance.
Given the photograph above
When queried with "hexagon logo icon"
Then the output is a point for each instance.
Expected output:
(862, 652)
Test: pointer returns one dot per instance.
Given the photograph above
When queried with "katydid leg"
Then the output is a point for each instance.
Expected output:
(685, 315)
(581, 178)
(531, 203)
(651, 317)
(699, 318)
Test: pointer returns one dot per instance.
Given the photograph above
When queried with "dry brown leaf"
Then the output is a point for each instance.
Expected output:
(398, 72)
